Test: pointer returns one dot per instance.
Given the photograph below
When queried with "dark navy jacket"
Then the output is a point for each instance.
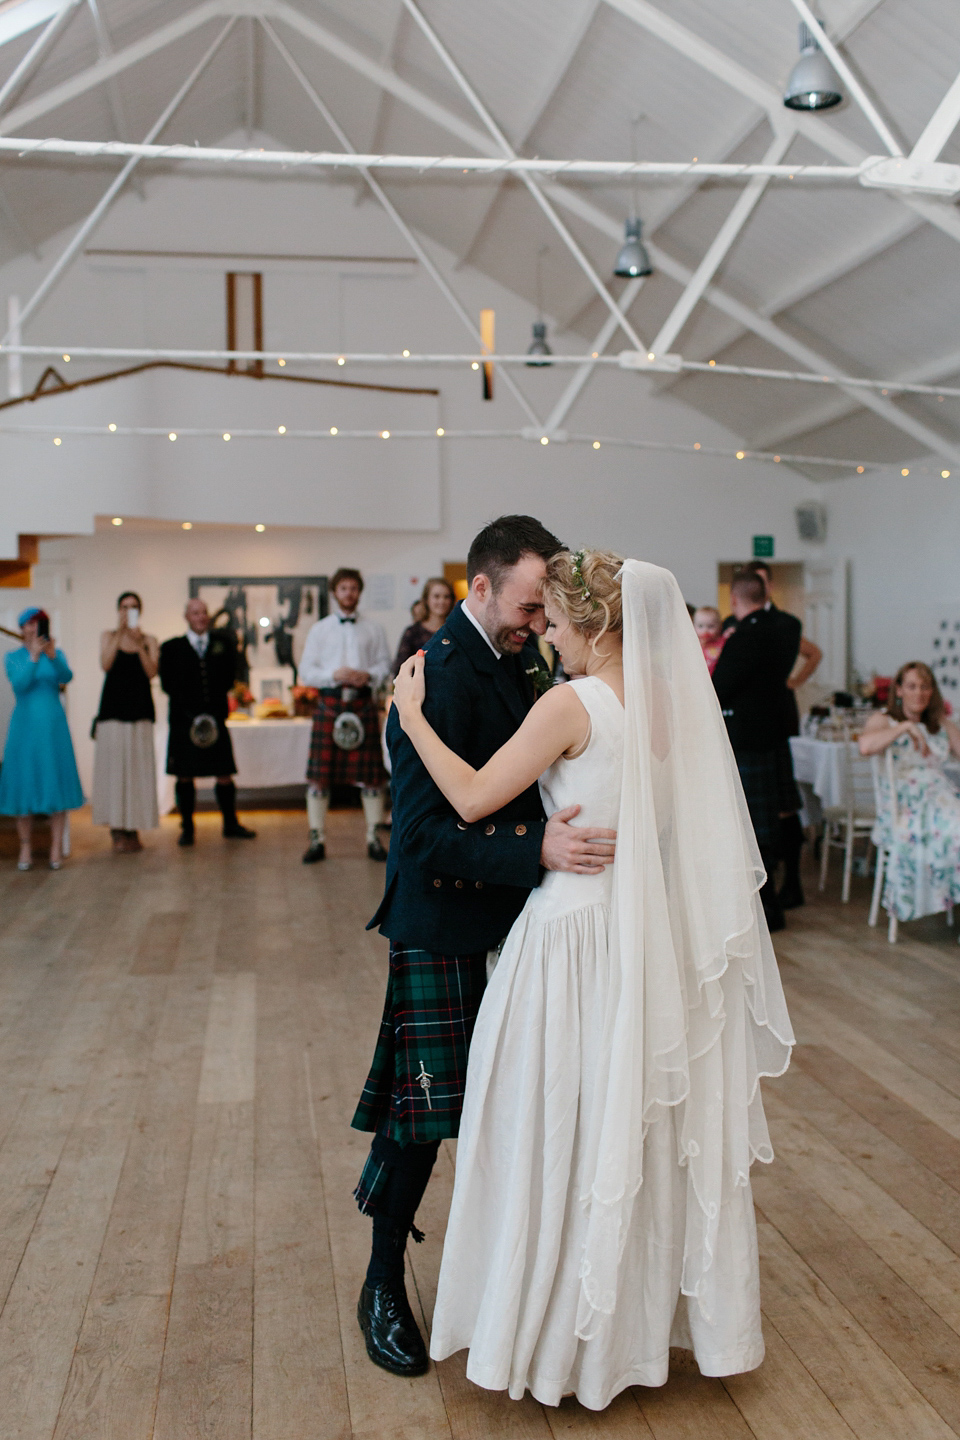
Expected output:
(454, 888)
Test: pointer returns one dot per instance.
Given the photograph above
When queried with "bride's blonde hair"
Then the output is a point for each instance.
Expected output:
(585, 586)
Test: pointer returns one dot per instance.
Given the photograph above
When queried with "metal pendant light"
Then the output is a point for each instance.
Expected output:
(539, 347)
(633, 260)
(813, 83)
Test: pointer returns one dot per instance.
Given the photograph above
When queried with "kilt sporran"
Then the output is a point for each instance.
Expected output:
(357, 762)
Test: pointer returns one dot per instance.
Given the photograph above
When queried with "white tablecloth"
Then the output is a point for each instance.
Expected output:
(267, 752)
(819, 765)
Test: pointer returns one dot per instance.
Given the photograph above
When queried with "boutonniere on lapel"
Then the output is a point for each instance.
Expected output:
(540, 679)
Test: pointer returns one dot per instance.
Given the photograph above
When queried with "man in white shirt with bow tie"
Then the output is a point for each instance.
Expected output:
(347, 659)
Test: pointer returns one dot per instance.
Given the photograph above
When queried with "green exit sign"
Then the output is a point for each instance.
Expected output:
(763, 547)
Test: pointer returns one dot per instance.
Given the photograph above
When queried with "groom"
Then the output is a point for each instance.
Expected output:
(452, 892)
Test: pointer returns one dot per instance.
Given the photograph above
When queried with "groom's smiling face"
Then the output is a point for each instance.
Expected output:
(515, 611)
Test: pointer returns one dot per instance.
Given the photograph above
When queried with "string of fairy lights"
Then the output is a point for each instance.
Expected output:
(61, 435)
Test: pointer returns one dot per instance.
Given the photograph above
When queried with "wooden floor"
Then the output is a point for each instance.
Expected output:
(182, 1039)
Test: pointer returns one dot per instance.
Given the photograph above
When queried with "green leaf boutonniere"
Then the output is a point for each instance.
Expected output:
(540, 679)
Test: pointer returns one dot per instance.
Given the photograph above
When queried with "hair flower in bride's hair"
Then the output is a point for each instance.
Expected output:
(578, 577)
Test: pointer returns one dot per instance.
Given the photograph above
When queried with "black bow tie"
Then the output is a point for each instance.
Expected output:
(348, 619)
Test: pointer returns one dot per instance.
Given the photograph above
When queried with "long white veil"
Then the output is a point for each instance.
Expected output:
(696, 1012)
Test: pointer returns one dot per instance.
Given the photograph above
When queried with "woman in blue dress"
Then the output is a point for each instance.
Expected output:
(39, 775)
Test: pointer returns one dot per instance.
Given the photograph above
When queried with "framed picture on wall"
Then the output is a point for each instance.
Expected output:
(269, 616)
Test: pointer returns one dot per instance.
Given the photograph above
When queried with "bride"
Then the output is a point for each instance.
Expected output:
(602, 1209)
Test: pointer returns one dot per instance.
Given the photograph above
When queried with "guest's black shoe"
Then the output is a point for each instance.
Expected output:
(238, 832)
(315, 851)
(186, 837)
(389, 1329)
(791, 896)
(376, 851)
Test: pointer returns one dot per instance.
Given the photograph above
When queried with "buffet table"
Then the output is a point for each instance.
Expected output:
(268, 753)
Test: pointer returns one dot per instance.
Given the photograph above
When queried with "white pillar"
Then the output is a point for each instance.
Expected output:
(14, 362)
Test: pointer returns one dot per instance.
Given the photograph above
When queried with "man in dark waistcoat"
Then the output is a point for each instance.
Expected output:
(452, 892)
(749, 678)
(197, 671)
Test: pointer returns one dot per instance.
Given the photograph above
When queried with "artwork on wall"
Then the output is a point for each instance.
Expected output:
(945, 662)
(269, 616)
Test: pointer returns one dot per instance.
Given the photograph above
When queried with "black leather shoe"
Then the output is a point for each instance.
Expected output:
(376, 851)
(315, 851)
(238, 832)
(389, 1329)
(186, 837)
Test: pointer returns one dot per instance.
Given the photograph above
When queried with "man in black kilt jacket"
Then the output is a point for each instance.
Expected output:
(452, 892)
(197, 671)
(750, 678)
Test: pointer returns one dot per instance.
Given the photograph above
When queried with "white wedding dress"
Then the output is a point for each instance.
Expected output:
(515, 1281)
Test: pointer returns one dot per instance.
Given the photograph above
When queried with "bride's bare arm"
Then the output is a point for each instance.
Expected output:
(557, 723)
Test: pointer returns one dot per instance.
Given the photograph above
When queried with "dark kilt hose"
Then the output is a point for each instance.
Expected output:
(770, 791)
(329, 764)
(452, 892)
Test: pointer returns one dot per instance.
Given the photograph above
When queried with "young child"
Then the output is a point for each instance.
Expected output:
(707, 623)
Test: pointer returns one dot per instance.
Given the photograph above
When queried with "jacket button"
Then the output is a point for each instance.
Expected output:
(444, 642)
(437, 884)
(460, 825)
(479, 884)
(490, 830)
(459, 884)
(521, 830)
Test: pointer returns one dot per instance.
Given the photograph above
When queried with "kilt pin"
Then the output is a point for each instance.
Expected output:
(330, 765)
(452, 892)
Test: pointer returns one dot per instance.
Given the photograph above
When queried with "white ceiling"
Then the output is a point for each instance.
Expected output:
(858, 277)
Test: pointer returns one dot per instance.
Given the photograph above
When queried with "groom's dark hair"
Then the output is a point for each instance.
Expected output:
(503, 544)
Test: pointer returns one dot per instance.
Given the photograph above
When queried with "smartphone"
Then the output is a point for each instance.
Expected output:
(43, 627)
(133, 618)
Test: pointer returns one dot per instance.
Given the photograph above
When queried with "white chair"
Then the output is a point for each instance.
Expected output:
(854, 817)
(886, 801)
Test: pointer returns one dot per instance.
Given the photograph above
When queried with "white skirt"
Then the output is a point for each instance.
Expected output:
(124, 776)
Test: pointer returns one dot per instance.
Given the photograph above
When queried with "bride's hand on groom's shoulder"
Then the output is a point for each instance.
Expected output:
(577, 848)
(409, 688)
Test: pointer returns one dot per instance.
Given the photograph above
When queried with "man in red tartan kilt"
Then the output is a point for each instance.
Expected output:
(346, 658)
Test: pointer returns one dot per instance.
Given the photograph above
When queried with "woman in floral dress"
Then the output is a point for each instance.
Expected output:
(924, 876)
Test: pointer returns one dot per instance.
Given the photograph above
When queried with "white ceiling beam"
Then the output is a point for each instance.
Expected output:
(79, 237)
(378, 74)
(940, 126)
(605, 334)
(118, 112)
(22, 72)
(838, 407)
(412, 240)
(538, 109)
(250, 77)
(719, 248)
(103, 70)
(839, 64)
(533, 188)
(834, 268)
(755, 323)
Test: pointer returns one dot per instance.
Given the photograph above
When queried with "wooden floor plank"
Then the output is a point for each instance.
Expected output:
(924, 1349)
(299, 1384)
(44, 1310)
(863, 1384)
(183, 1035)
(912, 1251)
(111, 1393)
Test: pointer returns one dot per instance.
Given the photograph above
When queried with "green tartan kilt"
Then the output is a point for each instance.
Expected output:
(414, 1092)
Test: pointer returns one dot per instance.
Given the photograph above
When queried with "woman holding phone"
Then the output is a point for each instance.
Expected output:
(124, 771)
(39, 775)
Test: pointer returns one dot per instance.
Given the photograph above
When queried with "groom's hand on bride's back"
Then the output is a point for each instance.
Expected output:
(578, 848)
